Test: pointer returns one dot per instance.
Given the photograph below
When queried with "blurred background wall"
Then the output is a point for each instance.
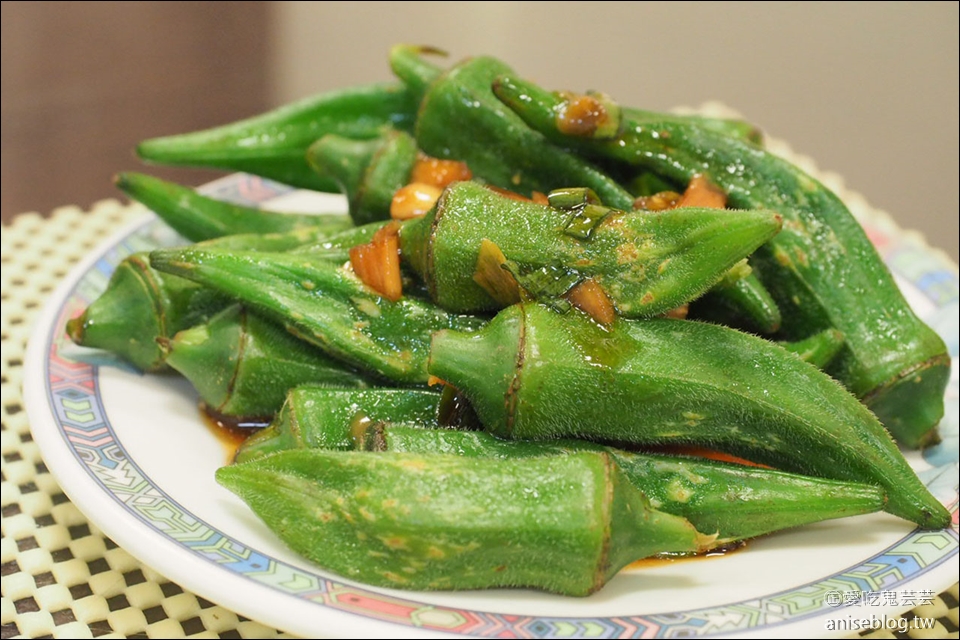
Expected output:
(83, 82)
(869, 90)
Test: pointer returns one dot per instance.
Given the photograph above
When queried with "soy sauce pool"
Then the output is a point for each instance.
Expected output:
(230, 431)
(666, 558)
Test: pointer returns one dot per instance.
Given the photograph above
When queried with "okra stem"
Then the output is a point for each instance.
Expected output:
(417, 74)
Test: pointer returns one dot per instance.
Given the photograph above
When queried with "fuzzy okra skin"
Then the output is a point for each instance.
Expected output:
(316, 417)
(821, 268)
(733, 501)
(535, 374)
(460, 119)
(274, 144)
(325, 305)
(646, 263)
(243, 365)
(564, 525)
(197, 217)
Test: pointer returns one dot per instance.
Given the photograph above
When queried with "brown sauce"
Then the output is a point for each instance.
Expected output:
(666, 558)
(230, 431)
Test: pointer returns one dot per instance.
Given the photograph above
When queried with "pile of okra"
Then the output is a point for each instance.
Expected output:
(554, 335)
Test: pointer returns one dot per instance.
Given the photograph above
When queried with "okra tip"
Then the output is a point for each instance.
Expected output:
(240, 480)
(75, 328)
(162, 149)
(753, 227)
(260, 444)
(176, 261)
(135, 184)
(343, 159)
(706, 542)
(124, 180)
(180, 148)
(228, 476)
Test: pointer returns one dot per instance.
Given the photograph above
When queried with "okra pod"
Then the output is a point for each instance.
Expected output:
(197, 217)
(734, 501)
(315, 417)
(324, 305)
(819, 269)
(243, 365)
(274, 144)
(645, 263)
(535, 374)
(565, 525)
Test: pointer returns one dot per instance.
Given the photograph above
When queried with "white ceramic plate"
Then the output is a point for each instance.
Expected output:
(135, 456)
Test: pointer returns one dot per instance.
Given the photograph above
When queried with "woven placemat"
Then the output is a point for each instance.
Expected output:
(61, 577)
